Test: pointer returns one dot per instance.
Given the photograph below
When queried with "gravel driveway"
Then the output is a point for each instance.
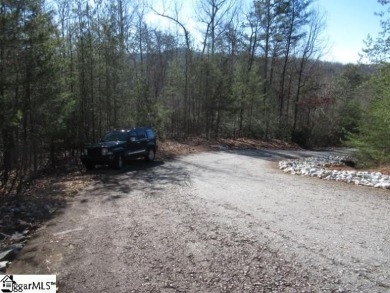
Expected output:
(216, 222)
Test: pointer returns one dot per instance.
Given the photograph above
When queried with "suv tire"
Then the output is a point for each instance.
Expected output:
(118, 163)
(150, 155)
(90, 166)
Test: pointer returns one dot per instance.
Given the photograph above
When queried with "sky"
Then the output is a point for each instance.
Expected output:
(348, 23)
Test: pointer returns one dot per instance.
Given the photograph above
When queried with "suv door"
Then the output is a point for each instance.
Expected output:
(134, 144)
(137, 143)
(142, 140)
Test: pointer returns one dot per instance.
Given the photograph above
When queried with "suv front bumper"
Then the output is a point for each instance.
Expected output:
(101, 160)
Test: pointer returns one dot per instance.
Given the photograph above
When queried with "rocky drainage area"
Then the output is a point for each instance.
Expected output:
(331, 168)
(9, 252)
(17, 223)
(21, 215)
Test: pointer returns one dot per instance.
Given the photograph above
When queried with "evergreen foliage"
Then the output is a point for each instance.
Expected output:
(373, 137)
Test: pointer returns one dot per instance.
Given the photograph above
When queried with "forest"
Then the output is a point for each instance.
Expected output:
(72, 69)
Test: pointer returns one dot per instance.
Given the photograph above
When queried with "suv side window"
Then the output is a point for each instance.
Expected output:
(132, 134)
(141, 134)
(150, 133)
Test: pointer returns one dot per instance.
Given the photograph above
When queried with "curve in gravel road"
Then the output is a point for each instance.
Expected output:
(216, 222)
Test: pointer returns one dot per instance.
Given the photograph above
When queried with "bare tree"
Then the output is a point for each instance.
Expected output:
(175, 19)
(214, 13)
(310, 52)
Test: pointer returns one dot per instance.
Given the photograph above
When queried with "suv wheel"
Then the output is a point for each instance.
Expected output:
(150, 155)
(118, 164)
(90, 166)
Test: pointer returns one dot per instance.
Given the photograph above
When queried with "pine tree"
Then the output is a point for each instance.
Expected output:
(373, 137)
(28, 84)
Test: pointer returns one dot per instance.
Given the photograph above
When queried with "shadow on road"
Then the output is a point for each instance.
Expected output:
(151, 178)
(273, 155)
(278, 155)
(136, 175)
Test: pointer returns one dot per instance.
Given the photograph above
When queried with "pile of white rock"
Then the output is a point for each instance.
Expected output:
(321, 167)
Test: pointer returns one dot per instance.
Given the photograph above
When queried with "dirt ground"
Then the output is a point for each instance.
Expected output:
(220, 221)
(52, 190)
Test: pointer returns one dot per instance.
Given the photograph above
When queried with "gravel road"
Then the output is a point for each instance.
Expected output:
(216, 222)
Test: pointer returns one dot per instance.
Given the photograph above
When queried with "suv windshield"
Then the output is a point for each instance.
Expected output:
(114, 136)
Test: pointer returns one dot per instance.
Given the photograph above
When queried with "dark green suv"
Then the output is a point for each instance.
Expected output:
(119, 145)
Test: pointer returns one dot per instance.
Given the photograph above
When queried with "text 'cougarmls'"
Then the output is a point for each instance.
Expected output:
(28, 283)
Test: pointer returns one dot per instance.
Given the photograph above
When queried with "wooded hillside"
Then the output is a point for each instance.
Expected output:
(72, 69)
